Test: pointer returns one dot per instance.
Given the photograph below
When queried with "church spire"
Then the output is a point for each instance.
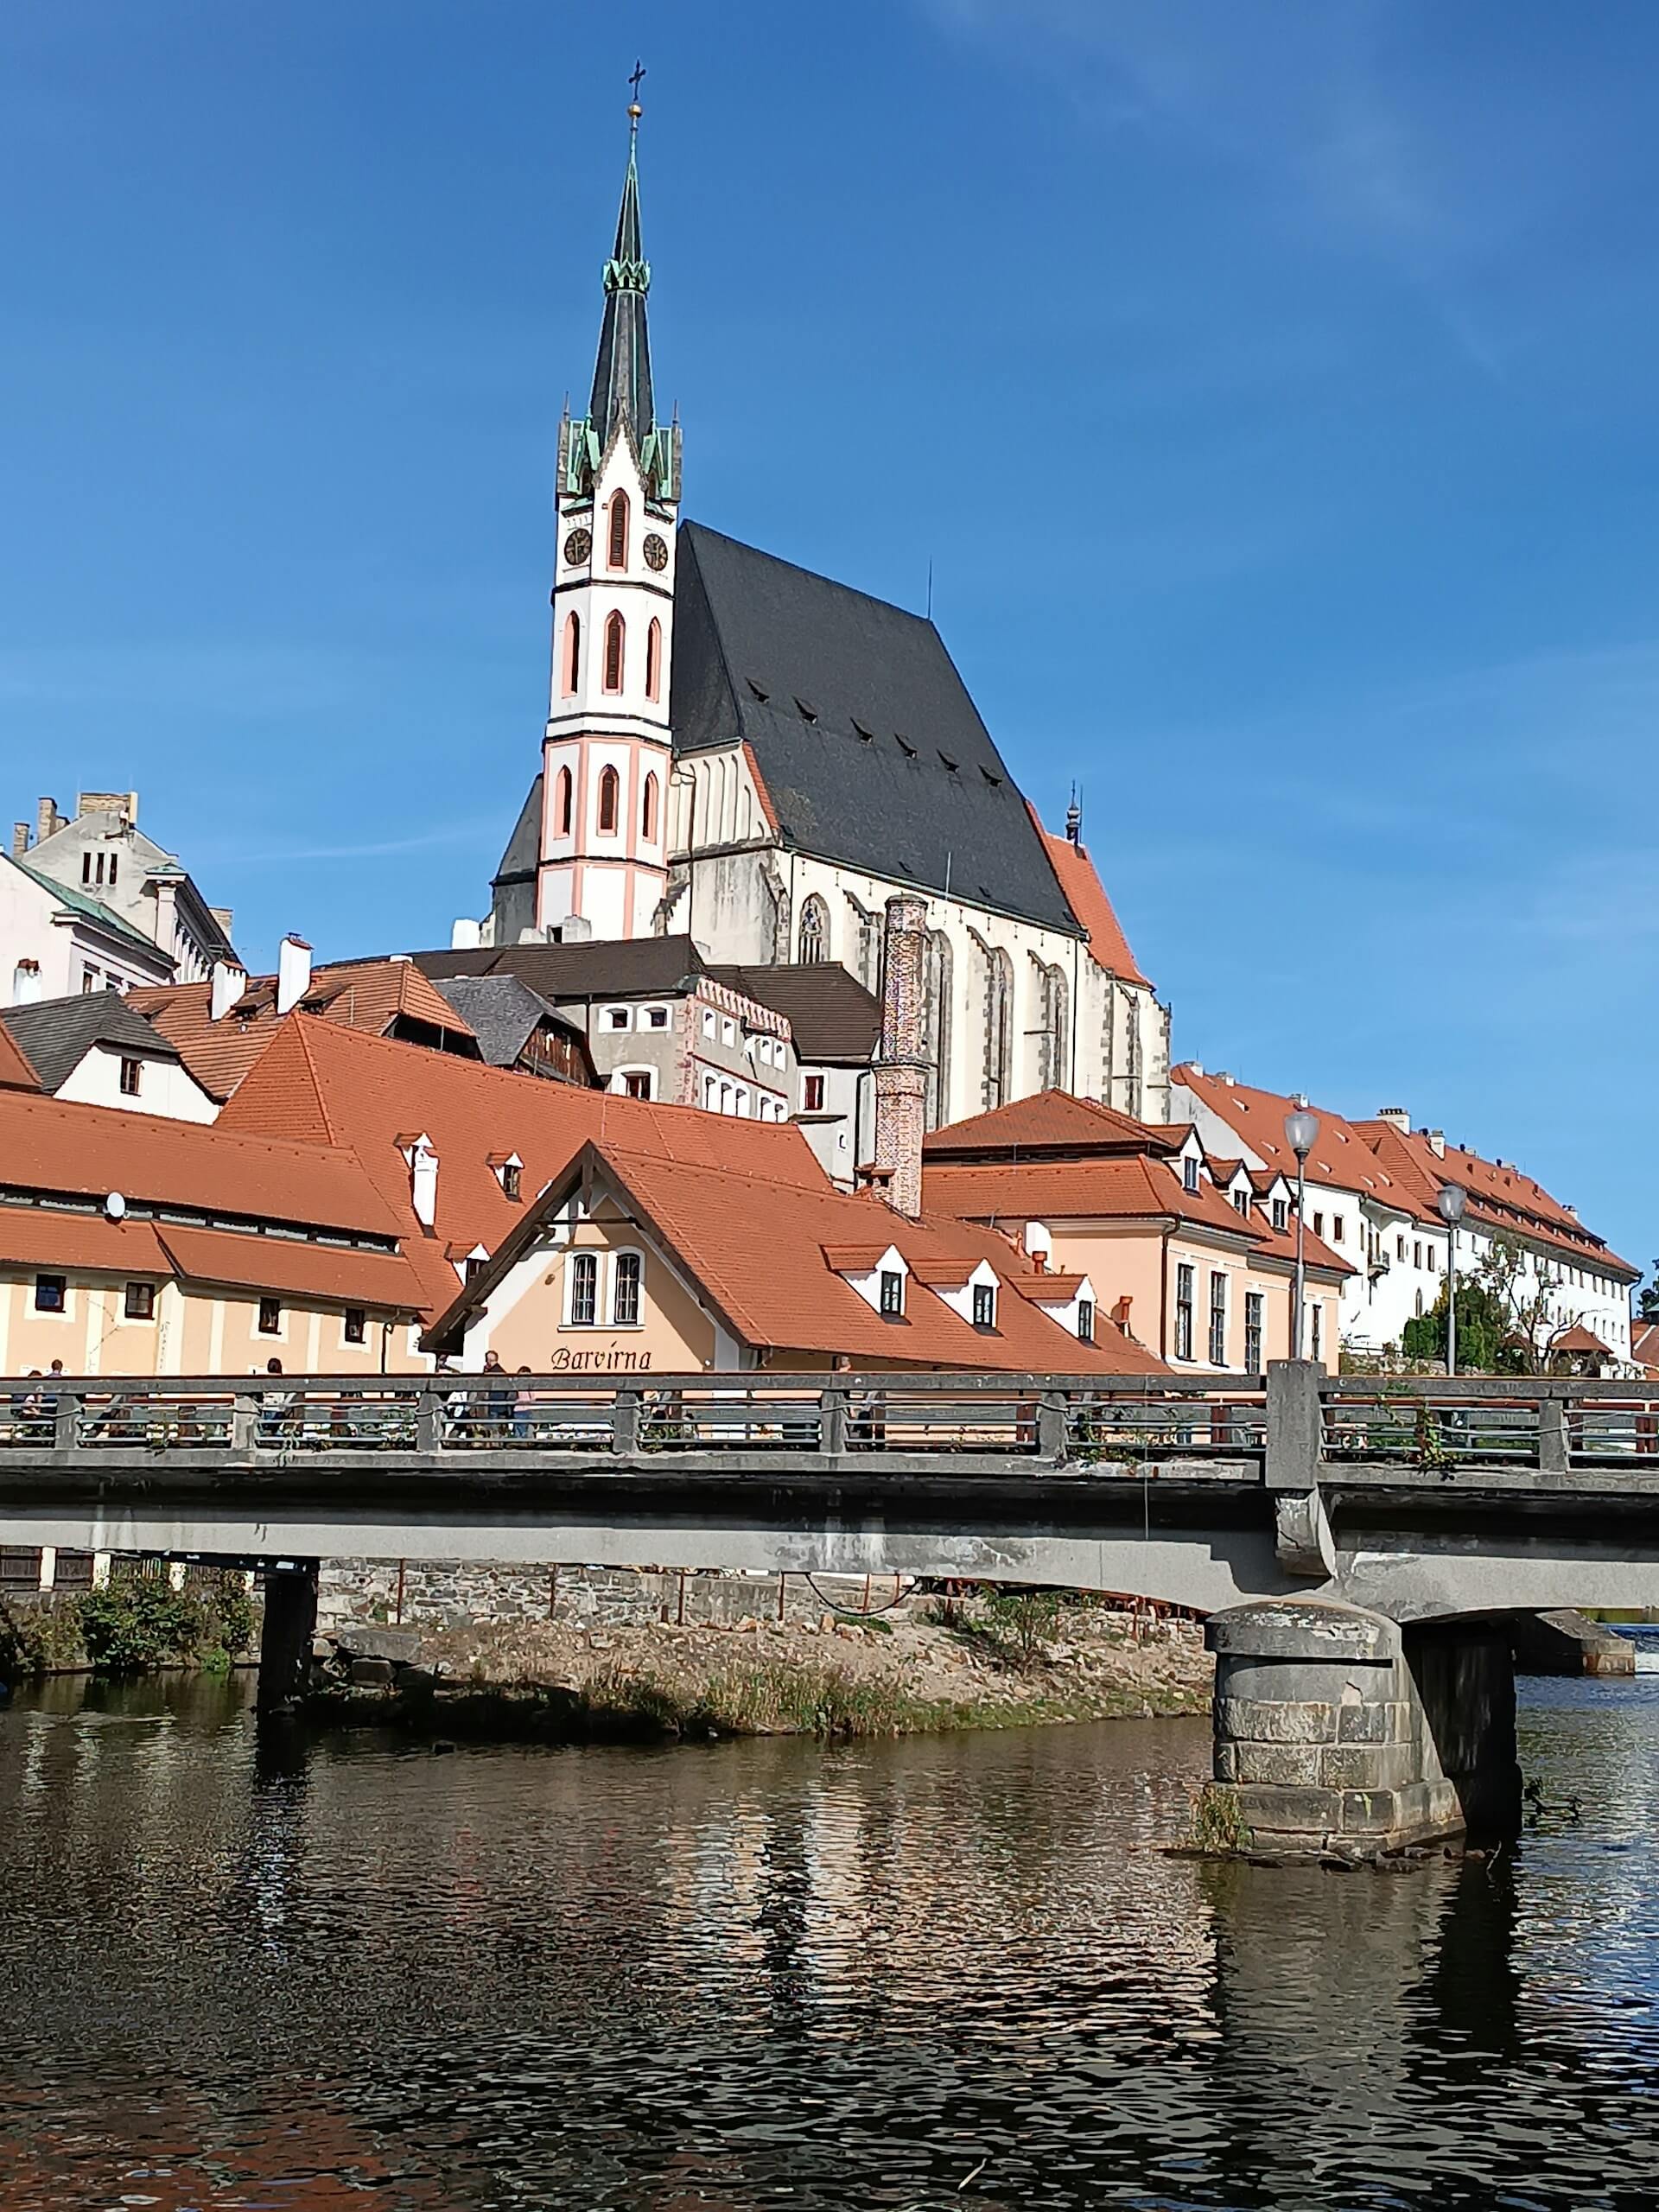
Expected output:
(622, 373)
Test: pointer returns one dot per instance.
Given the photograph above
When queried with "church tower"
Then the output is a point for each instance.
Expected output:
(607, 753)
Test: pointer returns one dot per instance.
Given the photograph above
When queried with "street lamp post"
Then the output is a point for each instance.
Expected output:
(1449, 1203)
(1301, 1130)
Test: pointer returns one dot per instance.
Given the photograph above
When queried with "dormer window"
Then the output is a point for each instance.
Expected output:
(1281, 1215)
(1085, 1321)
(1190, 1174)
(1242, 1201)
(893, 1294)
(984, 1306)
(511, 1179)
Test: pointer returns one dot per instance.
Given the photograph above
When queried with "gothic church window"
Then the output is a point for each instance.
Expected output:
(563, 801)
(648, 805)
(814, 932)
(1053, 1038)
(613, 650)
(609, 791)
(618, 545)
(999, 1027)
(654, 661)
(938, 1019)
(572, 658)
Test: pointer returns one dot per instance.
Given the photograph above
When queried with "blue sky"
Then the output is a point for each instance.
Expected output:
(1270, 383)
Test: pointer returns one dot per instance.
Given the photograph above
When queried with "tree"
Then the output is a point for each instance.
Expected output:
(1483, 1327)
(1647, 1308)
(1534, 1322)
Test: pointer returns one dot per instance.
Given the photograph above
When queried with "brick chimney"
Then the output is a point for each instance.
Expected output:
(46, 819)
(901, 1067)
(19, 840)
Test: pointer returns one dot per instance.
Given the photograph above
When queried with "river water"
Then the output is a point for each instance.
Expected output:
(952, 1973)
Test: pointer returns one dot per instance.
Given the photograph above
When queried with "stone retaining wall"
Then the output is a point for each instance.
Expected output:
(450, 1593)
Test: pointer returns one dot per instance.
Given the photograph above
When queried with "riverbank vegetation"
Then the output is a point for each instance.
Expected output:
(991, 1663)
(134, 1624)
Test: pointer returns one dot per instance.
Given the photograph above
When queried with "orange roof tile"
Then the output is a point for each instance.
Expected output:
(1053, 1121)
(47, 1145)
(272, 1264)
(1047, 1289)
(367, 994)
(1342, 1157)
(15, 1073)
(41, 1237)
(1645, 1342)
(330, 1086)
(1085, 895)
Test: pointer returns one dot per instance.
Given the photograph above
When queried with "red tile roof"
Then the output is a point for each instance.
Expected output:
(1500, 1197)
(1051, 1121)
(1085, 895)
(1645, 1342)
(273, 1264)
(41, 1237)
(89, 1151)
(1578, 1340)
(326, 1084)
(367, 994)
(757, 1247)
(15, 1073)
(1342, 1156)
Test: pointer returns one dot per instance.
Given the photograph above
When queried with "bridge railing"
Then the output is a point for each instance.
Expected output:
(1130, 1423)
(1551, 1425)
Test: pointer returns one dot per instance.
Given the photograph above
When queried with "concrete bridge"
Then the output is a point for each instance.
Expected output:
(1359, 1541)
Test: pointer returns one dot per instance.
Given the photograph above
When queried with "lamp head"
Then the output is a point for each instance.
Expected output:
(1449, 1203)
(1301, 1131)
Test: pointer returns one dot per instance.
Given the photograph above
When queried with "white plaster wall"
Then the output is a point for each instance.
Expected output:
(165, 1087)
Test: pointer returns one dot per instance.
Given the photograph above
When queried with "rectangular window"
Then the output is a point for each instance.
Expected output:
(88, 981)
(657, 1016)
(1218, 1320)
(638, 1084)
(132, 1074)
(1189, 1174)
(1434, 1261)
(812, 1094)
(625, 1296)
(1185, 1279)
(1085, 1321)
(1339, 1229)
(1399, 1249)
(984, 1306)
(1416, 1255)
(893, 1294)
(356, 1326)
(51, 1293)
(1241, 1203)
(1319, 1225)
(1281, 1215)
(86, 868)
(271, 1317)
(584, 1289)
(140, 1302)
(616, 1017)
(511, 1179)
(1254, 1309)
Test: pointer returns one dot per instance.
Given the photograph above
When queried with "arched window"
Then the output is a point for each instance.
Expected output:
(1052, 1040)
(619, 546)
(648, 806)
(999, 1027)
(563, 794)
(814, 932)
(613, 648)
(584, 1289)
(654, 661)
(625, 1290)
(609, 789)
(571, 660)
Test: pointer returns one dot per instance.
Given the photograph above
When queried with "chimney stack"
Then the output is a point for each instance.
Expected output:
(423, 1183)
(46, 819)
(464, 936)
(1120, 1316)
(1396, 1118)
(901, 1067)
(293, 972)
(19, 840)
(225, 988)
(1436, 1142)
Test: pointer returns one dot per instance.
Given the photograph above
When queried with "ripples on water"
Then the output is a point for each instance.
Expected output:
(937, 1974)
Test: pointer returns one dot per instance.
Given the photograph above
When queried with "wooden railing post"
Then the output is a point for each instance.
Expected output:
(832, 1422)
(625, 1421)
(1553, 1456)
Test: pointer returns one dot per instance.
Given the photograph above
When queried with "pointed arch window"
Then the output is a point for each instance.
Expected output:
(999, 1027)
(648, 807)
(615, 647)
(815, 932)
(654, 661)
(563, 796)
(618, 550)
(610, 786)
(570, 659)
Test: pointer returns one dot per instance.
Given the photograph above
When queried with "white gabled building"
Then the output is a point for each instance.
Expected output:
(758, 758)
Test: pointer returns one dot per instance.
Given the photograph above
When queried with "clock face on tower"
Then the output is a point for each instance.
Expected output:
(656, 553)
(578, 546)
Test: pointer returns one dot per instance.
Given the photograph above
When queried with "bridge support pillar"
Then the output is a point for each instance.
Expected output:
(1337, 1728)
(291, 1623)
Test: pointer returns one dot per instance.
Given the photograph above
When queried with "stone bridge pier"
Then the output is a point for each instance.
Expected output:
(1340, 1728)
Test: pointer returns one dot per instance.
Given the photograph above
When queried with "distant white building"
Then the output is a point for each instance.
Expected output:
(100, 855)
(56, 941)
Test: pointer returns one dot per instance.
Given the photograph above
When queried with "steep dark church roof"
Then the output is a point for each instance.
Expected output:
(870, 749)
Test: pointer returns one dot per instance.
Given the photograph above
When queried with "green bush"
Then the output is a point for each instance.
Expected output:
(138, 1622)
(40, 1638)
